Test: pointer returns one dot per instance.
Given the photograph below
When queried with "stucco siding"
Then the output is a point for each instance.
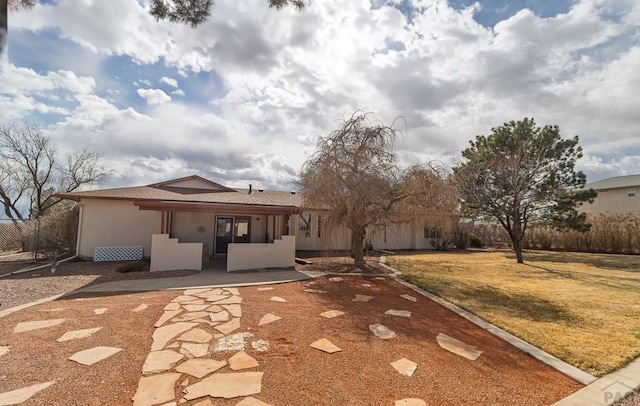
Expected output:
(193, 227)
(108, 223)
(614, 201)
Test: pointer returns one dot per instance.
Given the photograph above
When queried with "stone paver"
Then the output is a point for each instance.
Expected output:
(268, 318)
(398, 313)
(200, 367)
(160, 361)
(164, 334)
(194, 349)
(155, 389)
(57, 309)
(409, 298)
(362, 298)
(234, 309)
(4, 350)
(140, 308)
(206, 402)
(36, 325)
(458, 347)
(190, 316)
(166, 316)
(222, 315)
(242, 360)
(233, 291)
(194, 292)
(410, 402)
(329, 314)
(94, 355)
(320, 291)
(15, 397)
(251, 401)
(215, 298)
(101, 310)
(187, 299)
(381, 331)
(278, 299)
(325, 345)
(336, 279)
(366, 285)
(214, 308)
(172, 306)
(196, 335)
(404, 366)
(230, 300)
(226, 385)
(195, 307)
(75, 334)
(229, 326)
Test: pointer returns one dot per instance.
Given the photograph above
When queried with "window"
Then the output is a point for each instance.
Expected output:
(319, 222)
(430, 232)
(631, 192)
(305, 224)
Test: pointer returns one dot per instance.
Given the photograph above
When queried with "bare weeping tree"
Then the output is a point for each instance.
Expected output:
(355, 178)
(193, 12)
(31, 171)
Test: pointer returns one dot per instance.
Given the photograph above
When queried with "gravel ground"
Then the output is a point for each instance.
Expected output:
(39, 284)
(294, 373)
(632, 400)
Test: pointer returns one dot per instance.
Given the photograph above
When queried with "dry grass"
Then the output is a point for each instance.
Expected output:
(582, 308)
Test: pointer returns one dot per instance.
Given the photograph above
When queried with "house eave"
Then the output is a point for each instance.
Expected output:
(226, 208)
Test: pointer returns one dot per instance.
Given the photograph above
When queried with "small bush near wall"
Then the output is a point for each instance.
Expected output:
(134, 266)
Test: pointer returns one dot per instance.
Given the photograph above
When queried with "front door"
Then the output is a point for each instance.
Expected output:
(230, 229)
(224, 234)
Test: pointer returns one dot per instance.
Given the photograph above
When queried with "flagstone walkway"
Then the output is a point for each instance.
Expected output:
(204, 350)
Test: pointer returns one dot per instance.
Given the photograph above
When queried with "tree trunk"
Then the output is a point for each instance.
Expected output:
(357, 240)
(517, 248)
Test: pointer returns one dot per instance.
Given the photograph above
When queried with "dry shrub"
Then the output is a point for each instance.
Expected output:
(613, 234)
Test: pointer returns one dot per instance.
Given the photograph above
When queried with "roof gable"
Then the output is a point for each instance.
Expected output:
(191, 185)
(615, 182)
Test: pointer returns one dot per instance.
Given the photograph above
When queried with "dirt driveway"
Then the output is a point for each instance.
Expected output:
(294, 373)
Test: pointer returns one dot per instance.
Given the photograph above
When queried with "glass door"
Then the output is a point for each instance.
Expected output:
(224, 234)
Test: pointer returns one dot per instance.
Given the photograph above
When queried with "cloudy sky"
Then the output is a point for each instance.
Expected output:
(244, 97)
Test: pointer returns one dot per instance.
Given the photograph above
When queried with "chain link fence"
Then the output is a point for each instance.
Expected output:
(46, 238)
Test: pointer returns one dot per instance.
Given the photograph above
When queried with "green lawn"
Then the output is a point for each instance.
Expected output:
(582, 308)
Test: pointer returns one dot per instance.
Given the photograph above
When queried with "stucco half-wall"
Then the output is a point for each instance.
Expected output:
(109, 223)
(167, 254)
(279, 254)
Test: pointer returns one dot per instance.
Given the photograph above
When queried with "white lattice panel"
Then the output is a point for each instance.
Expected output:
(117, 253)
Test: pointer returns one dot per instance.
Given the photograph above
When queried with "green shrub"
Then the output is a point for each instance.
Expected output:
(475, 241)
(134, 266)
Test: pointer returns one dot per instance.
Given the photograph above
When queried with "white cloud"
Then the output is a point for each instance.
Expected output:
(154, 96)
(169, 81)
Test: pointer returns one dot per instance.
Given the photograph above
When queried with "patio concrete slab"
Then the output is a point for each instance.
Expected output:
(36, 325)
(94, 355)
(200, 281)
(18, 396)
(200, 367)
(155, 389)
(76, 334)
(226, 385)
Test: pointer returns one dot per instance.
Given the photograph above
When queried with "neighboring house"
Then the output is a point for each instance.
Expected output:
(617, 195)
(182, 222)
